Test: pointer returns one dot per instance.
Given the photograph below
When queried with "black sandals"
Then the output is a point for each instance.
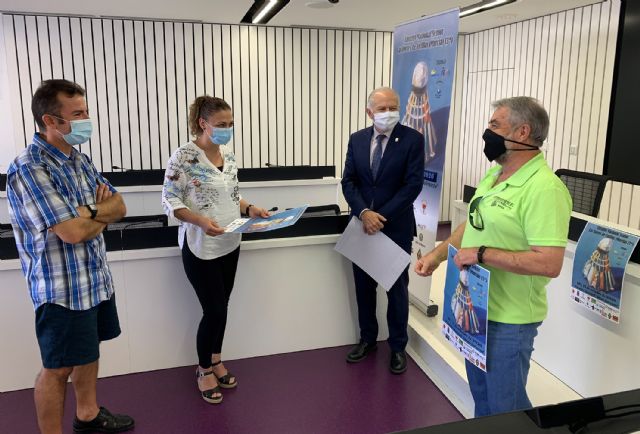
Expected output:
(228, 380)
(208, 395)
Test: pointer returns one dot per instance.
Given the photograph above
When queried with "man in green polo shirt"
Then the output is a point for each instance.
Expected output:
(517, 228)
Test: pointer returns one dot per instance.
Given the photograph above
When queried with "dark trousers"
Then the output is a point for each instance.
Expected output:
(397, 309)
(212, 280)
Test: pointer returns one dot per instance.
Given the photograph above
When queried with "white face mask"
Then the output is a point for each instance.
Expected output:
(384, 121)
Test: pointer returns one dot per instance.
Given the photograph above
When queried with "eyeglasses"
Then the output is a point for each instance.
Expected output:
(474, 210)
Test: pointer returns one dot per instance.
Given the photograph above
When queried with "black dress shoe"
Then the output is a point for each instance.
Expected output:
(398, 363)
(104, 422)
(360, 351)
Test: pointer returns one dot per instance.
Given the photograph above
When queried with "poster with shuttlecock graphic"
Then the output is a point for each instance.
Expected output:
(464, 314)
(601, 257)
(417, 113)
(424, 58)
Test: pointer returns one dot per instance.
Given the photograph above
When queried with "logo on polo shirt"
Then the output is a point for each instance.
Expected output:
(501, 203)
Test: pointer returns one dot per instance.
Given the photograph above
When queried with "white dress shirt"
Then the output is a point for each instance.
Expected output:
(374, 143)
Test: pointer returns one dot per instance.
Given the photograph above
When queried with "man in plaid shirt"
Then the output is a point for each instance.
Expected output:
(59, 206)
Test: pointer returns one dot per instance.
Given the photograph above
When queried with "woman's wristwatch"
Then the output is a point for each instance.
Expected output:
(246, 211)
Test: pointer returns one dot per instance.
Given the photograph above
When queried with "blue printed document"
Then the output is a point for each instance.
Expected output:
(599, 264)
(277, 220)
(464, 314)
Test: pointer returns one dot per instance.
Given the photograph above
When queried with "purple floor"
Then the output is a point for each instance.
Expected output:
(305, 392)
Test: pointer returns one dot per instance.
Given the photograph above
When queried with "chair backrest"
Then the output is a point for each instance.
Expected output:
(586, 190)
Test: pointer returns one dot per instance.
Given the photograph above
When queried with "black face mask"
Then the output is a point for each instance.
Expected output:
(494, 145)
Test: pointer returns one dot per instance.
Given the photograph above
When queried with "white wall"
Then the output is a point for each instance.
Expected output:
(6, 125)
(268, 314)
(297, 93)
(452, 175)
(565, 60)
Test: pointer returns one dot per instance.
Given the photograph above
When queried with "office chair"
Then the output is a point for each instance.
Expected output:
(586, 190)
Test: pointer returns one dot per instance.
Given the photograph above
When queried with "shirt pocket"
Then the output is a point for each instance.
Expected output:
(86, 185)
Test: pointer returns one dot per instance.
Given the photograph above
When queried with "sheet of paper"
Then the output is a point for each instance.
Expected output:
(377, 254)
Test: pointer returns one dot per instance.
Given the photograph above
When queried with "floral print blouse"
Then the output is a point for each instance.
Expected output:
(192, 181)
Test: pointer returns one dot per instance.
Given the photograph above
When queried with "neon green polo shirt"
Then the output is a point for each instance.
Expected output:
(531, 208)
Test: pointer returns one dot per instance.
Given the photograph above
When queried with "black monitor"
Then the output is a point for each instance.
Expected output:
(621, 162)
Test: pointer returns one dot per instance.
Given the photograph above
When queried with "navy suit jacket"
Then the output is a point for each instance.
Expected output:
(397, 185)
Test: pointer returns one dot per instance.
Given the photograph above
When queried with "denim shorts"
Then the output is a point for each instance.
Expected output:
(70, 338)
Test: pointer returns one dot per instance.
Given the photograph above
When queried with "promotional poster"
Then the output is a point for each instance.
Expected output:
(464, 314)
(602, 255)
(423, 71)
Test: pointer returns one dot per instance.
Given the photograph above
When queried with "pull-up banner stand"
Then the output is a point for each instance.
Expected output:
(424, 55)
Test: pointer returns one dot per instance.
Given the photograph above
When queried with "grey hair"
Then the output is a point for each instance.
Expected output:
(381, 89)
(526, 110)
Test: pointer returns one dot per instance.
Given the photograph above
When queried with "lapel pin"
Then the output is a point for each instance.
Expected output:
(396, 140)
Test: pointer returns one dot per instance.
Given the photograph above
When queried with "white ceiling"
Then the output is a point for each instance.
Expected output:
(356, 14)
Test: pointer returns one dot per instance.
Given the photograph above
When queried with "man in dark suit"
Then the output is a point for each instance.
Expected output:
(382, 177)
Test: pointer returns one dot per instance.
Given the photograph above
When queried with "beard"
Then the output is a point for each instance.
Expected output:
(504, 157)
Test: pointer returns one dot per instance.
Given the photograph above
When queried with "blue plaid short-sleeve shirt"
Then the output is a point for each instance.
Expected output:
(44, 188)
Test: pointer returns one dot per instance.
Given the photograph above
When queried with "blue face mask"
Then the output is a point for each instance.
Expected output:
(221, 136)
(80, 131)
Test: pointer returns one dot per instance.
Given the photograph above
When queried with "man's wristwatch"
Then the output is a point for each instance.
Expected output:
(93, 209)
(481, 253)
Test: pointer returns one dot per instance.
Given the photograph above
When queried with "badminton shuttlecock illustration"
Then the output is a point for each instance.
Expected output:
(462, 306)
(418, 111)
(597, 269)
